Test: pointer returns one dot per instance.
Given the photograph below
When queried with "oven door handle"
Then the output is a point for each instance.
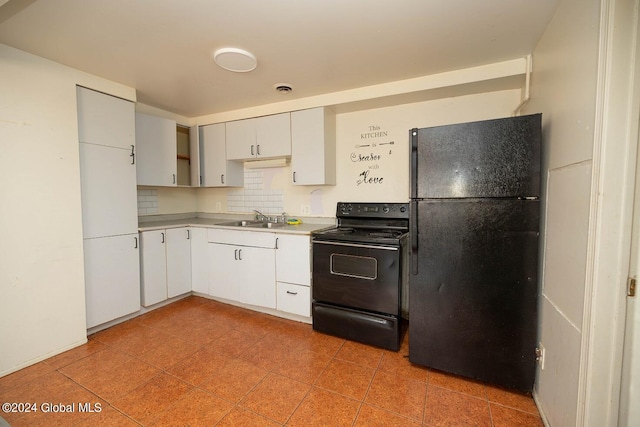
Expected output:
(357, 245)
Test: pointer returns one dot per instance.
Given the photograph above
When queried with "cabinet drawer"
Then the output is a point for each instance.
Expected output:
(294, 299)
(256, 239)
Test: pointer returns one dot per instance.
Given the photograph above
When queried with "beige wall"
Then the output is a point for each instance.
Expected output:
(391, 164)
(565, 67)
(42, 307)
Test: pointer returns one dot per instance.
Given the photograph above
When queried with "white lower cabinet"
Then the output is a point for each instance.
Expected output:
(294, 299)
(242, 267)
(199, 260)
(293, 274)
(165, 264)
(112, 277)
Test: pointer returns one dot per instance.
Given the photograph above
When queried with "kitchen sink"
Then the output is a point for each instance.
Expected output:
(253, 224)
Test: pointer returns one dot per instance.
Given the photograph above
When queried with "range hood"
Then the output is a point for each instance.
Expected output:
(267, 163)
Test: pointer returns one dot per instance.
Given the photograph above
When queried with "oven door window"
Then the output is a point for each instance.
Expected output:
(360, 267)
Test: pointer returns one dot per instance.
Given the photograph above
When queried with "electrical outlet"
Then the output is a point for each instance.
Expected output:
(305, 209)
(540, 353)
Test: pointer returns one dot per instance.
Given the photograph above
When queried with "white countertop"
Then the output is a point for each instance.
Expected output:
(159, 223)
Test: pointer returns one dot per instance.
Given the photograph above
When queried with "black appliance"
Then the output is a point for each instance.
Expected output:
(473, 284)
(359, 269)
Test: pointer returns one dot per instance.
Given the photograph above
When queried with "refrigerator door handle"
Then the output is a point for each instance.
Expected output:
(413, 135)
(413, 232)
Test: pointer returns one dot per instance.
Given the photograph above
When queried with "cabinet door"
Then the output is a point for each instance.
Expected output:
(199, 260)
(241, 139)
(216, 170)
(313, 147)
(273, 136)
(156, 151)
(223, 272)
(153, 267)
(194, 153)
(104, 119)
(108, 191)
(294, 299)
(178, 261)
(258, 276)
(112, 278)
(293, 259)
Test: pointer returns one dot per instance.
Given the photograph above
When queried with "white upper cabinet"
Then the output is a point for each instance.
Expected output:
(259, 138)
(105, 120)
(215, 169)
(273, 136)
(156, 151)
(313, 147)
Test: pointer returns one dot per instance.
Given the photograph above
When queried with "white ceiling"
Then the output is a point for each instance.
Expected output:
(163, 48)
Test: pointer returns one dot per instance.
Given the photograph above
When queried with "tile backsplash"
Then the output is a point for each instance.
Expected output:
(147, 201)
(254, 197)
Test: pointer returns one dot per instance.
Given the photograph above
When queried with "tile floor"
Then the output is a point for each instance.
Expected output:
(198, 362)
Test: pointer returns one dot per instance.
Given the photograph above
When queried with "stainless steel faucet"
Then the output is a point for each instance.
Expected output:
(260, 216)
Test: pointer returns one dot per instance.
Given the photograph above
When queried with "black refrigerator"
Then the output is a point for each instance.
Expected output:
(473, 283)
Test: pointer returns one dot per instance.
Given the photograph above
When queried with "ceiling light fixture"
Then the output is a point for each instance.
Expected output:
(234, 59)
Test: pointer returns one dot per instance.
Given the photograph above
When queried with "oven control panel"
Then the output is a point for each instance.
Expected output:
(373, 210)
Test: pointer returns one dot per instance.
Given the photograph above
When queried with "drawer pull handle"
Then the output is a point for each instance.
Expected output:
(292, 293)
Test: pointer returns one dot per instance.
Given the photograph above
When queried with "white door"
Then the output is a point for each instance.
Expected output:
(629, 414)
(293, 259)
(178, 261)
(213, 154)
(112, 278)
(223, 272)
(156, 147)
(194, 153)
(105, 120)
(199, 260)
(109, 198)
(153, 265)
(241, 139)
(273, 136)
(257, 273)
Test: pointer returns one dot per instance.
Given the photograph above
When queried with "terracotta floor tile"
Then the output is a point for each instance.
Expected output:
(453, 382)
(23, 376)
(55, 400)
(75, 354)
(195, 408)
(512, 399)
(346, 378)
(398, 394)
(276, 397)
(508, 417)
(117, 332)
(371, 416)
(233, 344)
(321, 343)
(303, 365)
(398, 363)
(199, 366)
(150, 399)
(110, 374)
(447, 408)
(234, 380)
(242, 417)
(266, 353)
(167, 353)
(360, 354)
(324, 408)
(139, 340)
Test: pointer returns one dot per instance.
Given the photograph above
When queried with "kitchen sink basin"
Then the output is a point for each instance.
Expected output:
(242, 224)
(253, 224)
